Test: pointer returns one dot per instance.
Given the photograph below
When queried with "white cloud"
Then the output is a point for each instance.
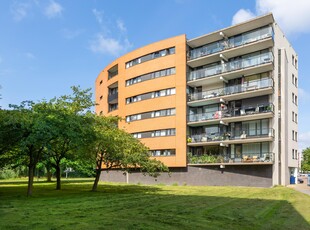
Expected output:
(53, 10)
(19, 11)
(121, 25)
(99, 15)
(106, 45)
(241, 16)
(292, 16)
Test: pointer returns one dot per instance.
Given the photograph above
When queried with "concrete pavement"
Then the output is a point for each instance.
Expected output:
(304, 188)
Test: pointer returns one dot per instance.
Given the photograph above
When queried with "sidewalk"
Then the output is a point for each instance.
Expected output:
(304, 188)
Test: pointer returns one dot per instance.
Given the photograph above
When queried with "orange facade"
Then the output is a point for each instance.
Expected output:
(122, 92)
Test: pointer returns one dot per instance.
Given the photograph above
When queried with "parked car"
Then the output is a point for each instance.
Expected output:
(300, 181)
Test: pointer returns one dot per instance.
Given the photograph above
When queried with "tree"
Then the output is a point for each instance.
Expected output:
(305, 163)
(66, 117)
(114, 148)
(24, 134)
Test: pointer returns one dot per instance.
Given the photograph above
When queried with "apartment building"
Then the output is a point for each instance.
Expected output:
(219, 109)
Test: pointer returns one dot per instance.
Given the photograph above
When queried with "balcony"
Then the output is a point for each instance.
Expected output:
(249, 112)
(247, 158)
(239, 137)
(262, 38)
(233, 68)
(113, 98)
(235, 92)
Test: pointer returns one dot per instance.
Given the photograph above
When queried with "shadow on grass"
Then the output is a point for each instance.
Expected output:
(43, 181)
(120, 206)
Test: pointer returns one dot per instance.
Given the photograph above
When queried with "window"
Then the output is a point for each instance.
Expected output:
(293, 116)
(293, 153)
(101, 97)
(296, 154)
(149, 76)
(163, 152)
(150, 56)
(113, 107)
(296, 118)
(293, 79)
(296, 84)
(160, 93)
(293, 98)
(163, 132)
(293, 135)
(293, 60)
(101, 112)
(296, 63)
(155, 133)
(100, 82)
(113, 72)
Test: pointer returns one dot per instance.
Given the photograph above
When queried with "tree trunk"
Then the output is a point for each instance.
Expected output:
(48, 174)
(31, 168)
(58, 184)
(98, 172)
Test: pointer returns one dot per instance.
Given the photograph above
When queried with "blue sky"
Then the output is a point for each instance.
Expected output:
(47, 46)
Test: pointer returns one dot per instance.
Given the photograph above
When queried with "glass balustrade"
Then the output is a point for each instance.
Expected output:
(264, 157)
(232, 135)
(232, 42)
(240, 88)
(245, 110)
(242, 63)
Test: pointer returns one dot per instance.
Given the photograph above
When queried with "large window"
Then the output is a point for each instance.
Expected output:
(150, 56)
(159, 93)
(151, 114)
(163, 152)
(155, 133)
(148, 76)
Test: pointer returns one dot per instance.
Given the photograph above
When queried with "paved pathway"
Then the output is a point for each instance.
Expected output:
(301, 187)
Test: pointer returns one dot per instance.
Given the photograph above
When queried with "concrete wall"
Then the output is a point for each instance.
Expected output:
(238, 175)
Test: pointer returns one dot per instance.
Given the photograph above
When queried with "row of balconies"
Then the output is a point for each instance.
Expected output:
(232, 137)
(227, 159)
(229, 43)
(225, 67)
(230, 90)
(257, 111)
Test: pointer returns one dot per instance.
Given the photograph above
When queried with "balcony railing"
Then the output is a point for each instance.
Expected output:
(232, 135)
(245, 110)
(240, 88)
(246, 38)
(246, 158)
(238, 64)
(112, 97)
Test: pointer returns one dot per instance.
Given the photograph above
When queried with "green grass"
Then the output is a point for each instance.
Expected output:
(120, 206)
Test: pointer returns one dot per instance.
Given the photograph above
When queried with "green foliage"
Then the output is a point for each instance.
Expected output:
(204, 159)
(305, 163)
(8, 173)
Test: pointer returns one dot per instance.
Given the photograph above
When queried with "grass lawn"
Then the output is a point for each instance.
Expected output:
(120, 206)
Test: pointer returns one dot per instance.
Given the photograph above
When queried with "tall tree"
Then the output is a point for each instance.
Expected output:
(114, 148)
(68, 127)
(305, 163)
(24, 135)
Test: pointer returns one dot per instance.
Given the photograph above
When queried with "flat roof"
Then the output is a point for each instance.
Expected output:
(232, 30)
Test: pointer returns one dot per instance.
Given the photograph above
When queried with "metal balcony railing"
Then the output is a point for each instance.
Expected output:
(238, 64)
(240, 88)
(245, 110)
(236, 41)
(232, 135)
